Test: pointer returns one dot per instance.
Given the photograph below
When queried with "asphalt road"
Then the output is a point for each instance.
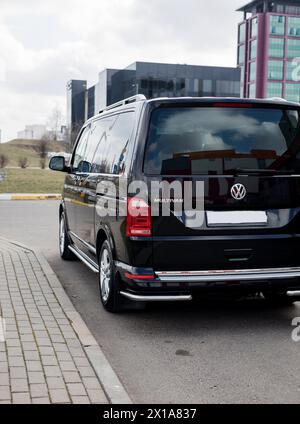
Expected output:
(216, 352)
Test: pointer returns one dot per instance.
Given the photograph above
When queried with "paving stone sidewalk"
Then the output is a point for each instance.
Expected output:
(42, 359)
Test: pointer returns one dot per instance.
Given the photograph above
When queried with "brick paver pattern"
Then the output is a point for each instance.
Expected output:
(41, 359)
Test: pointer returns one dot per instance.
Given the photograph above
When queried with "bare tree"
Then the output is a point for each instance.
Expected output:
(55, 122)
(68, 141)
(3, 160)
(43, 150)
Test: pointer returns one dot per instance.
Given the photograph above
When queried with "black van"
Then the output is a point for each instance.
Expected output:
(240, 160)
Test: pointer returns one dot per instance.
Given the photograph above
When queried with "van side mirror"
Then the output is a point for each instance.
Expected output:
(84, 167)
(58, 163)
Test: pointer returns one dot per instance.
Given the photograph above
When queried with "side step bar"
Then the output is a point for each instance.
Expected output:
(174, 298)
(85, 259)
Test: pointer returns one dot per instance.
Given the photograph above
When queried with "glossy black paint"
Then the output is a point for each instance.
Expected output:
(173, 246)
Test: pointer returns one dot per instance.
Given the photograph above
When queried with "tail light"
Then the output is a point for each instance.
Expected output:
(138, 220)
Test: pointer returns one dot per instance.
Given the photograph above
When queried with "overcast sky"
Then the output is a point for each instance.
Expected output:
(45, 43)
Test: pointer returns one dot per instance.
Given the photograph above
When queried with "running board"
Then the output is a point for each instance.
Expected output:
(145, 298)
(85, 259)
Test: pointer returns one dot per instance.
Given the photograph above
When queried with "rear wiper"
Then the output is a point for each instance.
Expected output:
(245, 171)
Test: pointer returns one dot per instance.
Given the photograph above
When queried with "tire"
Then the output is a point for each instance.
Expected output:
(108, 281)
(64, 241)
(279, 298)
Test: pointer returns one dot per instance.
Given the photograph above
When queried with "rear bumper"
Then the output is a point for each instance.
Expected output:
(156, 298)
(148, 285)
(230, 275)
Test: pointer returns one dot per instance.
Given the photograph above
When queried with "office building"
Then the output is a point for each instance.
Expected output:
(32, 132)
(269, 49)
(151, 79)
(77, 103)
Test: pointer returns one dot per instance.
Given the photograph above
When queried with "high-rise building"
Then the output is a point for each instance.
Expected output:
(269, 49)
(77, 99)
(103, 88)
(174, 80)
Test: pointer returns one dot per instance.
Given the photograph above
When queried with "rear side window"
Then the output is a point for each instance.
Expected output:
(218, 140)
(111, 153)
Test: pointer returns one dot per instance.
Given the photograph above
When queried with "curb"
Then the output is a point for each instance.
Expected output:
(30, 197)
(112, 386)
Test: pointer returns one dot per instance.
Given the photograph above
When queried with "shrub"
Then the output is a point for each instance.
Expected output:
(3, 160)
(23, 163)
(43, 148)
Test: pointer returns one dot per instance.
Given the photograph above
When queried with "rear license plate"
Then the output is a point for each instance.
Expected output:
(252, 218)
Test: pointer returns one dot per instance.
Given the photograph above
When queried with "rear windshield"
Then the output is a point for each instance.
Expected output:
(218, 140)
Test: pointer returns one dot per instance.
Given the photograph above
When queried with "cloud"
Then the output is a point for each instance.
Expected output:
(45, 44)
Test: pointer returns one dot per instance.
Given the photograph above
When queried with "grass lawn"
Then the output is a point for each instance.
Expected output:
(15, 153)
(17, 149)
(32, 181)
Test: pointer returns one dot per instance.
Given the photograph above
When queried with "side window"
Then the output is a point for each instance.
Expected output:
(100, 132)
(96, 140)
(111, 158)
(79, 153)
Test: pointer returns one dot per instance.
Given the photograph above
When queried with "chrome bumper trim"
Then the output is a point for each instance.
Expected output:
(229, 275)
(138, 298)
(295, 294)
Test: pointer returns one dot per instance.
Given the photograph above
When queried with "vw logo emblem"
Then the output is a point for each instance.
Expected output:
(238, 192)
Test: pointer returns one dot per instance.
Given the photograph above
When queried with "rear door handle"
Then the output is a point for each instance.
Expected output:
(238, 255)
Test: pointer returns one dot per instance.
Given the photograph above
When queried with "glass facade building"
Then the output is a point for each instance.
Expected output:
(153, 80)
(76, 105)
(168, 80)
(269, 49)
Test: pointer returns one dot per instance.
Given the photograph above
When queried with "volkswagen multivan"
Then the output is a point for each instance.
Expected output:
(169, 198)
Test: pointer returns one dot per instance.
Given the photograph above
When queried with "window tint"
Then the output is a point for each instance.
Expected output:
(110, 157)
(79, 154)
(293, 48)
(293, 92)
(252, 71)
(97, 135)
(242, 33)
(275, 70)
(276, 47)
(253, 49)
(277, 25)
(254, 27)
(215, 141)
(274, 89)
(252, 91)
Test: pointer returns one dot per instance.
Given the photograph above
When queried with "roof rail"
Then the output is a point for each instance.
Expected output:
(277, 99)
(133, 99)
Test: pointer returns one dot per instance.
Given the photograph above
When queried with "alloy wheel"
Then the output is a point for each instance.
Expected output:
(62, 235)
(105, 275)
